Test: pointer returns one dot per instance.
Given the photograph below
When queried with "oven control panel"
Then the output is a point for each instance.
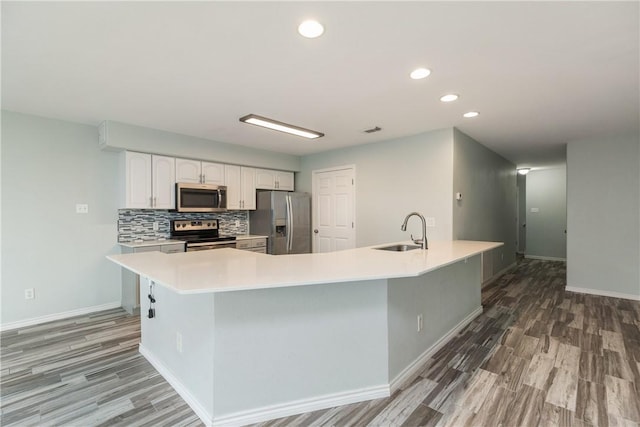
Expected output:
(199, 225)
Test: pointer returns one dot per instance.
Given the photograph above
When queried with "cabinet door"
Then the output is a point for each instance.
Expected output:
(248, 188)
(213, 173)
(233, 180)
(188, 171)
(138, 180)
(265, 179)
(284, 180)
(163, 182)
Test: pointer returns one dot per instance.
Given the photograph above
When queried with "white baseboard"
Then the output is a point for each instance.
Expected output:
(302, 406)
(602, 293)
(268, 412)
(417, 364)
(204, 415)
(58, 316)
(544, 258)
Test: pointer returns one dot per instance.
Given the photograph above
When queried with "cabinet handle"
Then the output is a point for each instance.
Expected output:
(155, 202)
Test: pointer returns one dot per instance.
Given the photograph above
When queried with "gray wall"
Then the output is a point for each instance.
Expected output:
(547, 193)
(445, 297)
(394, 178)
(603, 211)
(487, 210)
(122, 136)
(47, 167)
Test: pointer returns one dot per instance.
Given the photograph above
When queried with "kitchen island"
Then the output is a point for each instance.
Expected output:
(245, 337)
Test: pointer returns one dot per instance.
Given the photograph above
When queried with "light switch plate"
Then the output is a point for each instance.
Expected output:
(82, 208)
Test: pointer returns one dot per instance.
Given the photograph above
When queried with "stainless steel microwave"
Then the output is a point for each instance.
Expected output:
(200, 197)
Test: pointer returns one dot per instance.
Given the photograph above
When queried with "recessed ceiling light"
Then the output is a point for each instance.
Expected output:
(420, 73)
(311, 29)
(280, 126)
(471, 114)
(449, 97)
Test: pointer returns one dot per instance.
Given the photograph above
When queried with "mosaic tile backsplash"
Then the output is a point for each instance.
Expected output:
(137, 224)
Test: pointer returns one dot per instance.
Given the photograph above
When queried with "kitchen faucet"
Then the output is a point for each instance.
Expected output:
(422, 242)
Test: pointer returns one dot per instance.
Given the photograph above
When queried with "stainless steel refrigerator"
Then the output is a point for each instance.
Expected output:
(285, 218)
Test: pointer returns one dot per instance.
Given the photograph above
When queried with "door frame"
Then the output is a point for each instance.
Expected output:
(314, 212)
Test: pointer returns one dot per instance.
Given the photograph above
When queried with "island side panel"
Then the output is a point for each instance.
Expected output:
(279, 348)
(186, 361)
(446, 298)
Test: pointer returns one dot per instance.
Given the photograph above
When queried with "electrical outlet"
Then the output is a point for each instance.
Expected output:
(431, 221)
(29, 293)
(179, 342)
(420, 322)
(156, 225)
(237, 223)
(82, 208)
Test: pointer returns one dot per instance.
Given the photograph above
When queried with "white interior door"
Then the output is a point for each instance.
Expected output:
(334, 209)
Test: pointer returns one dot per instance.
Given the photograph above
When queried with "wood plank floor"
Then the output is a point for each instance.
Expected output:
(537, 356)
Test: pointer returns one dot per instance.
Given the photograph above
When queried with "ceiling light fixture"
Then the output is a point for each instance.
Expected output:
(524, 171)
(449, 97)
(311, 29)
(280, 126)
(420, 73)
(471, 114)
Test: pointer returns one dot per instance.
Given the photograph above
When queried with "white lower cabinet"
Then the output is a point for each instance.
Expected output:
(241, 187)
(149, 181)
(257, 244)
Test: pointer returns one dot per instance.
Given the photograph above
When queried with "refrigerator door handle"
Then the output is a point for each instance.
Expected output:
(289, 225)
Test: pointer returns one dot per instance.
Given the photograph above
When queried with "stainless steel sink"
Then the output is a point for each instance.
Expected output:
(398, 248)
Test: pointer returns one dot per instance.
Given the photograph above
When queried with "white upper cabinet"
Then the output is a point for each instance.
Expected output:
(137, 180)
(149, 181)
(241, 187)
(213, 173)
(284, 181)
(163, 183)
(197, 172)
(188, 171)
(267, 179)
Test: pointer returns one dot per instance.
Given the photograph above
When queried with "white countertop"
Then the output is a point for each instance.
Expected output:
(226, 270)
(143, 243)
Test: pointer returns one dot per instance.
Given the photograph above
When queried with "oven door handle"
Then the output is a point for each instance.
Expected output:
(226, 242)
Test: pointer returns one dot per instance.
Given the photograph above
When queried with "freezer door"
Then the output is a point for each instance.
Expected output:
(300, 223)
(279, 239)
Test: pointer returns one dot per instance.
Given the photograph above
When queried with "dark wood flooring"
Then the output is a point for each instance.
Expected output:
(537, 356)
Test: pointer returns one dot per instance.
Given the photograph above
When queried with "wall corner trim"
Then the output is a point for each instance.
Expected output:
(602, 293)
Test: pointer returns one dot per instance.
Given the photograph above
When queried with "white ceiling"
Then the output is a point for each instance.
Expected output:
(539, 73)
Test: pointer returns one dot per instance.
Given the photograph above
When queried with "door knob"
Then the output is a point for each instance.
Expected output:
(315, 231)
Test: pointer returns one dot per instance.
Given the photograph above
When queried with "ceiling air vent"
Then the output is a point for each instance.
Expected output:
(372, 130)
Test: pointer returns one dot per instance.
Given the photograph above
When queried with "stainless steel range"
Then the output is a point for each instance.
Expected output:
(200, 235)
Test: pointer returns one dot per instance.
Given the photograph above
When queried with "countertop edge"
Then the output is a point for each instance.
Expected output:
(487, 246)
